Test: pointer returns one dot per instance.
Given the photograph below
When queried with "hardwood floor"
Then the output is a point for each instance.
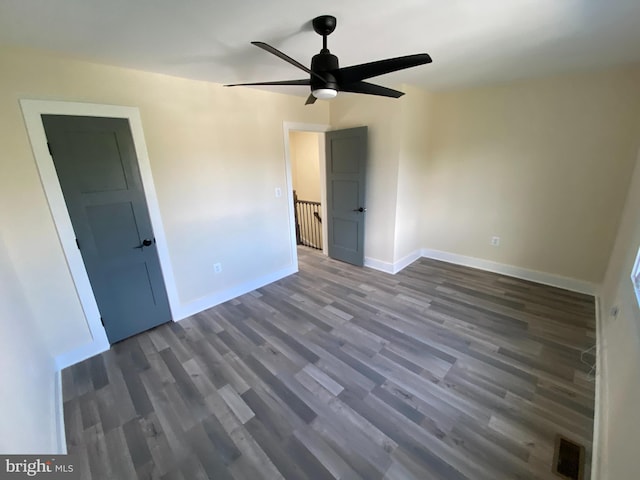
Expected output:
(438, 372)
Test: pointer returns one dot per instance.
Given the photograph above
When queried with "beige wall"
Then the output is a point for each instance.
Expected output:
(216, 156)
(544, 164)
(619, 379)
(415, 111)
(27, 394)
(305, 164)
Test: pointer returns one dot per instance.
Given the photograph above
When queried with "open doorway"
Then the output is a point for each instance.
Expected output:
(305, 152)
(304, 148)
(336, 160)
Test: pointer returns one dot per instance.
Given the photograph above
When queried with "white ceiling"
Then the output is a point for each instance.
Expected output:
(472, 42)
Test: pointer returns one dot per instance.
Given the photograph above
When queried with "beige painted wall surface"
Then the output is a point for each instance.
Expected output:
(381, 116)
(544, 164)
(27, 395)
(415, 125)
(216, 156)
(620, 346)
(305, 164)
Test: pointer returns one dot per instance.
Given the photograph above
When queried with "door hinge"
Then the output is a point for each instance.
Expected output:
(49, 147)
(78, 244)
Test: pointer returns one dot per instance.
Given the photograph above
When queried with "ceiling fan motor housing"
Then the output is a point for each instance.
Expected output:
(323, 63)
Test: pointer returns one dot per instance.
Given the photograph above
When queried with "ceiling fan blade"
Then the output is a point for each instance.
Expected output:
(306, 81)
(355, 73)
(286, 58)
(310, 99)
(370, 89)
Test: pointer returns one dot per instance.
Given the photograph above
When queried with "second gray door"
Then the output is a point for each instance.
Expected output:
(98, 171)
(346, 152)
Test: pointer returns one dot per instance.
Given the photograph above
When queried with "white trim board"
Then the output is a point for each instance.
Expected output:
(381, 265)
(32, 111)
(600, 406)
(559, 281)
(394, 267)
(59, 414)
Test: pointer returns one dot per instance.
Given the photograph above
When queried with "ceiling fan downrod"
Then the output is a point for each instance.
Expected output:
(324, 25)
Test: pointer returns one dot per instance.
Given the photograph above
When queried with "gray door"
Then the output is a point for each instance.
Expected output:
(98, 170)
(346, 152)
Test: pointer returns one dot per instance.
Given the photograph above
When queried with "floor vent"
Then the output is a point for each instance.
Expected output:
(568, 459)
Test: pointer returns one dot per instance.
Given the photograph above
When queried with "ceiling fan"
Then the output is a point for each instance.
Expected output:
(326, 79)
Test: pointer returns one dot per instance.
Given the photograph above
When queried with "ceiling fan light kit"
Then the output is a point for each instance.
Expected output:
(324, 93)
(326, 78)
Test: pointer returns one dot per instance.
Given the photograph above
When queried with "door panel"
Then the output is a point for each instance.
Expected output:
(345, 234)
(101, 169)
(346, 193)
(113, 228)
(346, 152)
(98, 171)
(345, 158)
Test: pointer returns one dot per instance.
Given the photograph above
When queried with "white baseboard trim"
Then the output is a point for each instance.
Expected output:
(61, 438)
(559, 281)
(395, 267)
(209, 301)
(380, 265)
(600, 397)
(79, 354)
(404, 262)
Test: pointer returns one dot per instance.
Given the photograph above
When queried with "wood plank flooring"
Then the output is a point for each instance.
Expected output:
(438, 372)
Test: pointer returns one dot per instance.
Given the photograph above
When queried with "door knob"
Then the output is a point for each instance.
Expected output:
(360, 209)
(145, 243)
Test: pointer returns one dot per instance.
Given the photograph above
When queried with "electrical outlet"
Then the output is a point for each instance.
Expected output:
(278, 192)
(217, 267)
(495, 241)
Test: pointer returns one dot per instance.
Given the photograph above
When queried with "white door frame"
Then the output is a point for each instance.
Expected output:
(287, 128)
(32, 111)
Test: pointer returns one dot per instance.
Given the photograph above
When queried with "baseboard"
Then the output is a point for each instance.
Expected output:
(394, 267)
(559, 281)
(404, 262)
(380, 265)
(209, 301)
(61, 439)
(79, 354)
(599, 408)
